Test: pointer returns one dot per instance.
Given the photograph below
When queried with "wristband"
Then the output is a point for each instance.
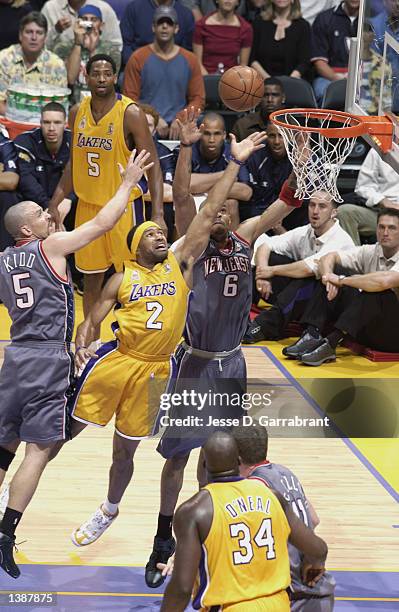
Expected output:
(183, 144)
(287, 195)
(236, 161)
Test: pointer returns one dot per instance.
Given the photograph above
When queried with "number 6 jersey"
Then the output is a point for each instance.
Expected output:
(97, 149)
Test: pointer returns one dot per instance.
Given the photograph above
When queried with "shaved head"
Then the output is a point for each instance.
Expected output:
(221, 454)
(17, 216)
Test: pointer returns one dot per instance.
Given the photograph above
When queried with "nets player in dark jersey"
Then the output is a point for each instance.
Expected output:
(252, 445)
(36, 289)
(210, 356)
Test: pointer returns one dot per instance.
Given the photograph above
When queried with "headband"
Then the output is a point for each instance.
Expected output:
(143, 227)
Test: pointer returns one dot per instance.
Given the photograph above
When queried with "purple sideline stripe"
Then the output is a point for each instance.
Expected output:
(321, 412)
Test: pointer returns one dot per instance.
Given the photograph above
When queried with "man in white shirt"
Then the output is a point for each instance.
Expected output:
(286, 267)
(378, 185)
(61, 16)
(364, 305)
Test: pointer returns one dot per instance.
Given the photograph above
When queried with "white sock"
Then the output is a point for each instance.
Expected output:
(110, 508)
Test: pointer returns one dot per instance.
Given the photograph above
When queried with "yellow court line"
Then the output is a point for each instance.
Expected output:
(389, 599)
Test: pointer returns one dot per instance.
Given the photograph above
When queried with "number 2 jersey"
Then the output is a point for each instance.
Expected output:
(38, 300)
(245, 555)
(97, 149)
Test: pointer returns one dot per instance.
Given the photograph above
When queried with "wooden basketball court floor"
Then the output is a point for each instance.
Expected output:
(353, 484)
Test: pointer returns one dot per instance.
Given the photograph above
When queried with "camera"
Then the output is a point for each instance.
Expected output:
(87, 25)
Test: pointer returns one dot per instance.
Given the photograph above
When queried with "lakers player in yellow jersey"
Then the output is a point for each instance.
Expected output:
(106, 127)
(127, 376)
(232, 541)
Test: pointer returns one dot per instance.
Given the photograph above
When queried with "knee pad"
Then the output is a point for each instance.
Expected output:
(6, 458)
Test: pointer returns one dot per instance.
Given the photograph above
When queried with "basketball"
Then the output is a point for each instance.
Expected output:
(241, 88)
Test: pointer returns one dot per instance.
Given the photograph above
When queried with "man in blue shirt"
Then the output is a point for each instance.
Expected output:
(136, 25)
(43, 154)
(9, 178)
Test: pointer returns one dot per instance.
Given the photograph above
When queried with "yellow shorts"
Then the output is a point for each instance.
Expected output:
(111, 248)
(116, 383)
(273, 603)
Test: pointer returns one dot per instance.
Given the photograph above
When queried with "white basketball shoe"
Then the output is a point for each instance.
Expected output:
(92, 529)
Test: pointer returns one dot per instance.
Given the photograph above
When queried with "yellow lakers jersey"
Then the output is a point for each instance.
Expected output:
(97, 149)
(245, 554)
(152, 307)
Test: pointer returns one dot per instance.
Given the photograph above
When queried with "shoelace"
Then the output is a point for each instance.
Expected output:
(16, 544)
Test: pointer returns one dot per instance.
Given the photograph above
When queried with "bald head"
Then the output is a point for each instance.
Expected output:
(18, 216)
(221, 454)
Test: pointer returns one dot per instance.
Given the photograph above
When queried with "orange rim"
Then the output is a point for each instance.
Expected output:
(379, 127)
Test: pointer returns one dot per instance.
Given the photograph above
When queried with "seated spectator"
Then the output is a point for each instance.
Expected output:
(89, 41)
(377, 186)
(311, 8)
(268, 169)
(43, 154)
(273, 99)
(62, 15)
(30, 62)
(286, 267)
(165, 75)
(222, 39)
(168, 163)
(137, 25)
(330, 50)
(9, 178)
(364, 305)
(11, 13)
(210, 156)
(281, 40)
(387, 22)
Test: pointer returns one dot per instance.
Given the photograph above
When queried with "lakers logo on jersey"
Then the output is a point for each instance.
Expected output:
(110, 128)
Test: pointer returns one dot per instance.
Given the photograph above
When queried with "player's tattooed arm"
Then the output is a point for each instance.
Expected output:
(136, 126)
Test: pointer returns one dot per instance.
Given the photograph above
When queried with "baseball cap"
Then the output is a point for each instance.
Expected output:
(90, 9)
(165, 12)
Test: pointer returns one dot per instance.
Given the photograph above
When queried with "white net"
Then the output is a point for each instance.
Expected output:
(316, 159)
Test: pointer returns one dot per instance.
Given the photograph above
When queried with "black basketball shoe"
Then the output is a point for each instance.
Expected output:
(7, 562)
(161, 552)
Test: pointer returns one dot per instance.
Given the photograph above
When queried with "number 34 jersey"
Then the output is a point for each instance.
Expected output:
(97, 149)
(245, 555)
(151, 309)
(38, 300)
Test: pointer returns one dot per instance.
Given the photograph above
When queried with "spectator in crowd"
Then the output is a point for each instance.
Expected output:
(268, 170)
(331, 32)
(210, 156)
(89, 41)
(251, 9)
(30, 62)
(43, 154)
(311, 8)
(119, 7)
(363, 305)
(222, 39)
(168, 163)
(165, 75)
(62, 14)
(286, 267)
(376, 186)
(137, 25)
(281, 40)
(11, 13)
(9, 178)
(273, 99)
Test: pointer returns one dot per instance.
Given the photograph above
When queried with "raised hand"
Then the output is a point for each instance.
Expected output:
(189, 132)
(135, 168)
(244, 149)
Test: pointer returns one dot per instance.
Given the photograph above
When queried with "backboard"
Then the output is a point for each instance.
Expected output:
(373, 75)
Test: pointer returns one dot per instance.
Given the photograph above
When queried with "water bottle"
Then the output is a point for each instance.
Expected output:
(220, 69)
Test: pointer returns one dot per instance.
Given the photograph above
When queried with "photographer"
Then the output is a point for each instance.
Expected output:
(88, 42)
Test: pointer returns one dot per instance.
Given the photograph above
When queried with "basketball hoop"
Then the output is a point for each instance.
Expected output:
(318, 141)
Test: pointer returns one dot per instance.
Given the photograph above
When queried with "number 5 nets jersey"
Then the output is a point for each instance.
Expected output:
(97, 149)
(245, 554)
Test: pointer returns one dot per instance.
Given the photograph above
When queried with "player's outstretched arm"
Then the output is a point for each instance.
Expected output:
(198, 233)
(189, 134)
(187, 558)
(59, 244)
(86, 331)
